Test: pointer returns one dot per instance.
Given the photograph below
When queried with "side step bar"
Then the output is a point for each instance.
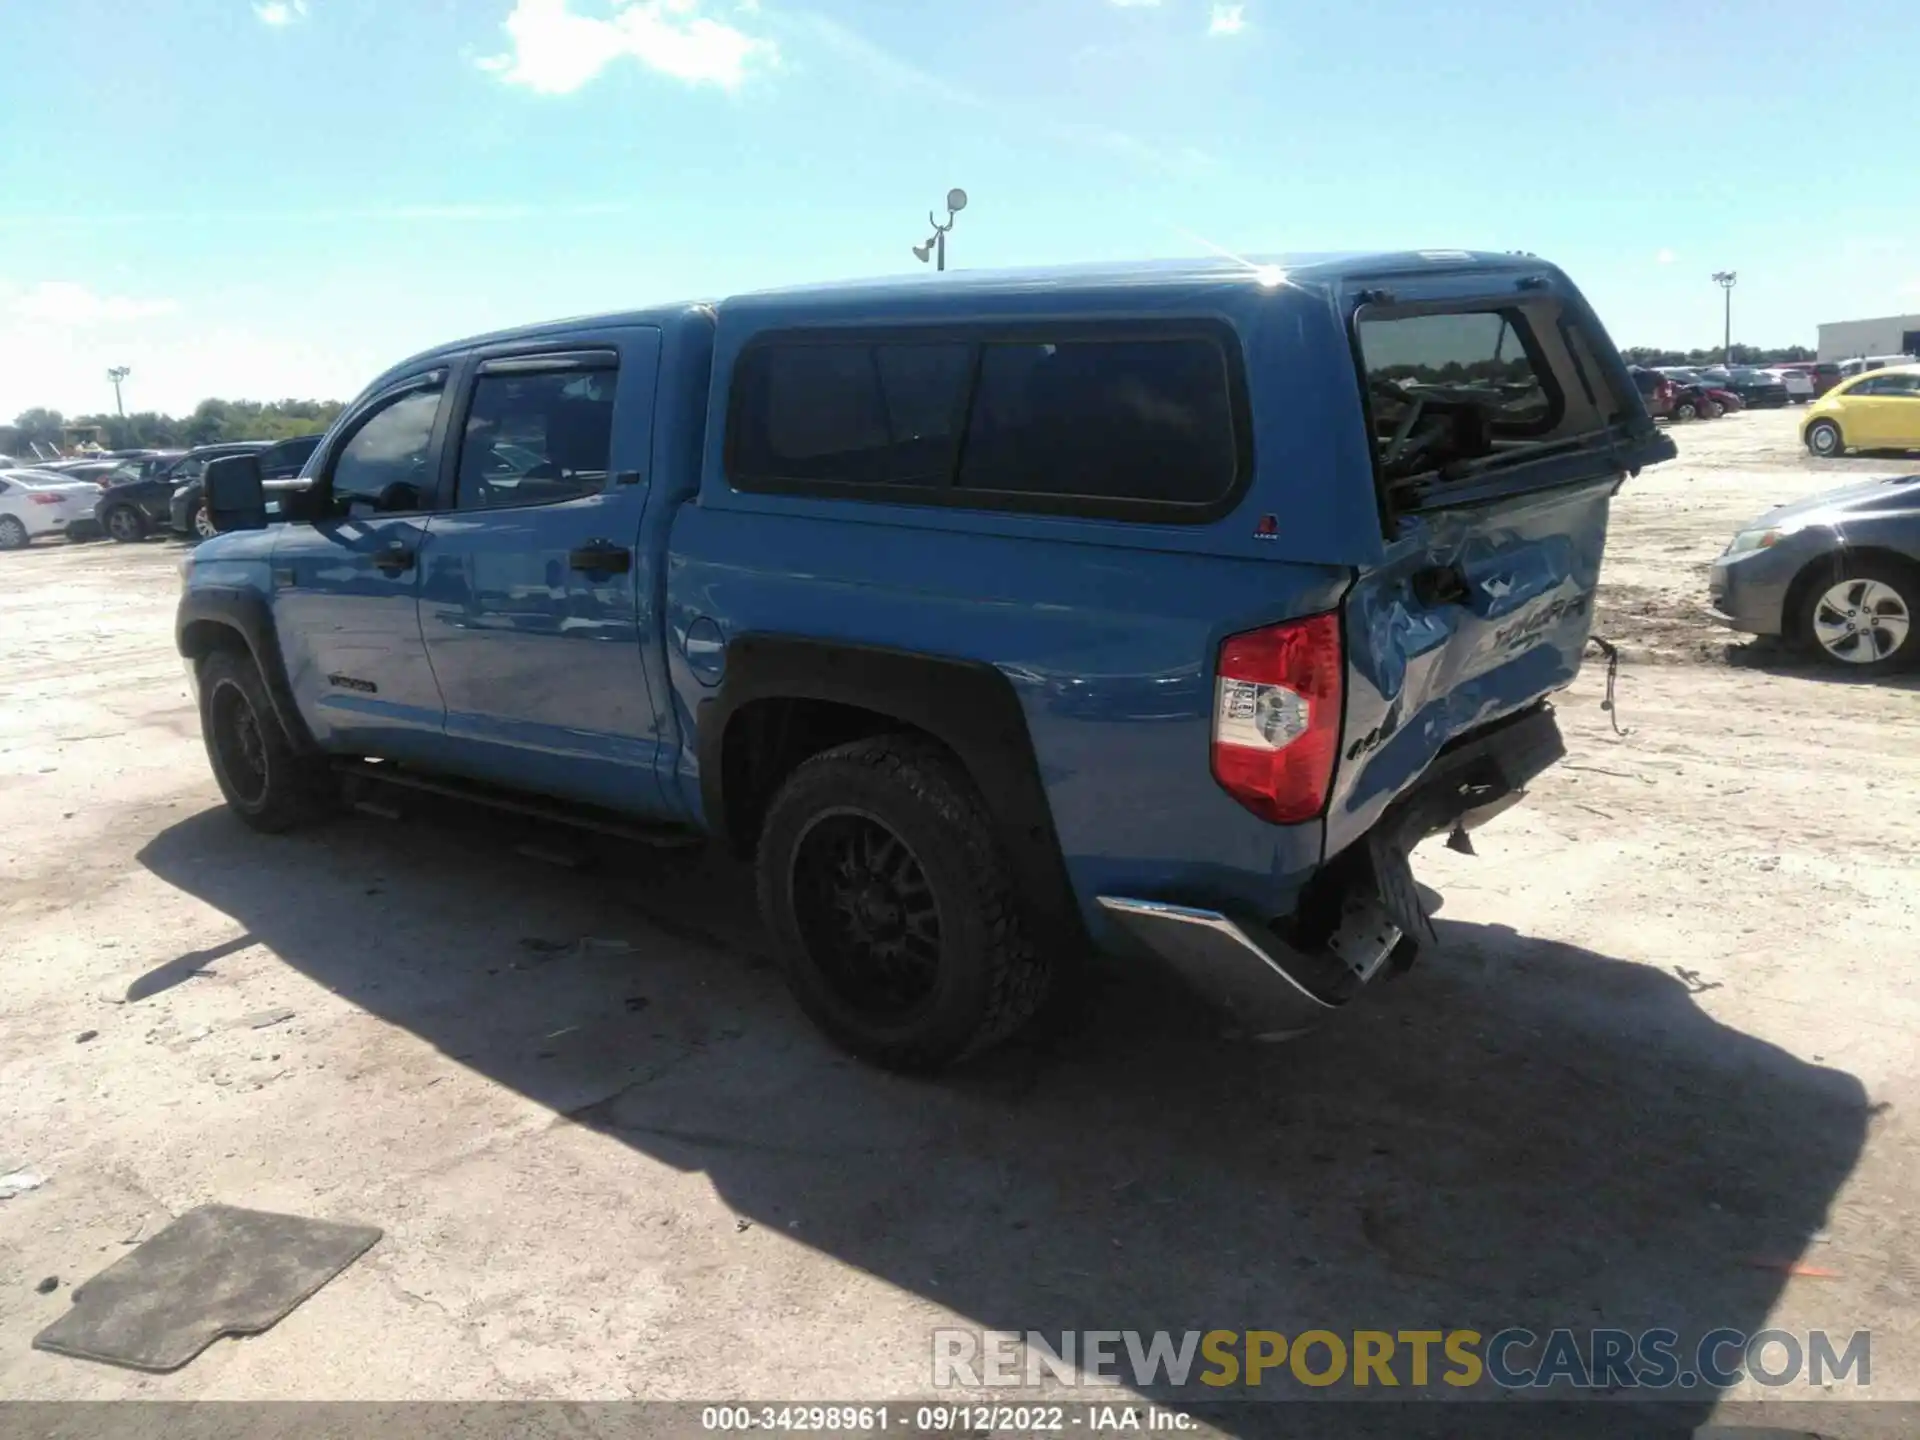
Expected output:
(385, 772)
(1254, 981)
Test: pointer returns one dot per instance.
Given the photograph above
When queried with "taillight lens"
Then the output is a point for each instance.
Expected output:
(1276, 717)
(45, 499)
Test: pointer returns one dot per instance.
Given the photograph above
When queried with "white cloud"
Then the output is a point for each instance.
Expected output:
(555, 51)
(1665, 257)
(61, 302)
(1227, 20)
(280, 12)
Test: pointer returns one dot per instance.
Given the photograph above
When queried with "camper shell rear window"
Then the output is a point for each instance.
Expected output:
(1457, 392)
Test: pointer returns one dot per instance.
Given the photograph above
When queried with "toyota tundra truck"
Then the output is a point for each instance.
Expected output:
(1155, 611)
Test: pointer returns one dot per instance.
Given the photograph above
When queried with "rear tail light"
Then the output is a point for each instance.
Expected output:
(1276, 717)
(45, 499)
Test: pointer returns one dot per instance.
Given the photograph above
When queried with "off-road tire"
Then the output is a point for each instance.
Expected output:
(988, 980)
(1837, 448)
(13, 534)
(125, 524)
(287, 788)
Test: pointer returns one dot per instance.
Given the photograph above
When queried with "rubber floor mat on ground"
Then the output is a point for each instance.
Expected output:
(215, 1271)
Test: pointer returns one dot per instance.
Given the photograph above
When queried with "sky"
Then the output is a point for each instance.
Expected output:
(267, 198)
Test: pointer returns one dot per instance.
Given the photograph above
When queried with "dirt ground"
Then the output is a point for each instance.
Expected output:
(1665, 1052)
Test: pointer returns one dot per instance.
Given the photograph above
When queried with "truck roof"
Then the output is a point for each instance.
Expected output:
(918, 294)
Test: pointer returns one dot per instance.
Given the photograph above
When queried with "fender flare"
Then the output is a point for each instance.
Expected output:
(246, 614)
(967, 705)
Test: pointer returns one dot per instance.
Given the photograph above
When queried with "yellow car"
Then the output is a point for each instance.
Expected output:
(1879, 410)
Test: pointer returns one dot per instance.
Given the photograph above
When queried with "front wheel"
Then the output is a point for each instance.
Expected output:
(893, 906)
(266, 782)
(203, 522)
(1685, 410)
(1861, 617)
(124, 524)
(1823, 439)
(13, 534)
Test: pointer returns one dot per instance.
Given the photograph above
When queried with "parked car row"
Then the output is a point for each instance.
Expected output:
(1668, 397)
(1757, 388)
(129, 495)
(167, 497)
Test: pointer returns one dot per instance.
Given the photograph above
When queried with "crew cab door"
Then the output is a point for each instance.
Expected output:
(1502, 424)
(536, 589)
(347, 577)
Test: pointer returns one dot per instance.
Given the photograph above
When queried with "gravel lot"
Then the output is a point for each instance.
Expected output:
(1666, 1050)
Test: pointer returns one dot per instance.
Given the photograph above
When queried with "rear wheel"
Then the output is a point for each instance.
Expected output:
(13, 534)
(1715, 410)
(1686, 410)
(126, 525)
(1824, 440)
(893, 906)
(1861, 617)
(266, 782)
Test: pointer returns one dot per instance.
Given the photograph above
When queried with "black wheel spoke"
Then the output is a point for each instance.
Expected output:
(868, 915)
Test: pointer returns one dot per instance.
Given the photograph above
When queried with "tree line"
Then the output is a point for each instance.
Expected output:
(1715, 355)
(211, 421)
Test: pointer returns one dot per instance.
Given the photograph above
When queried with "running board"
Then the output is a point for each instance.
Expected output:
(385, 772)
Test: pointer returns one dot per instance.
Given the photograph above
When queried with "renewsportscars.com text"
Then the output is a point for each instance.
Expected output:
(1512, 1359)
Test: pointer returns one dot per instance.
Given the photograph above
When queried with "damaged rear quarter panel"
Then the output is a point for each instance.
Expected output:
(1424, 668)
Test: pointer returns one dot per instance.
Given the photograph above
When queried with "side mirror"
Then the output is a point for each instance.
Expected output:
(235, 499)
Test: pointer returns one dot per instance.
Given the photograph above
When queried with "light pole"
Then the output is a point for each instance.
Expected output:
(936, 244)
(1726, 280)
(116, 375)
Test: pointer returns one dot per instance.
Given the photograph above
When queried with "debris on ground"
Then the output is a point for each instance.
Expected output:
(47, 1286)
(741, 1224)
(262, 1019)
(86, 1035)
(1795, 1267)
(19, 1181)
(215, 1271)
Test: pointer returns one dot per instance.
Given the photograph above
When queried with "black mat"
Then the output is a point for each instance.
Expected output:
(215, 1271)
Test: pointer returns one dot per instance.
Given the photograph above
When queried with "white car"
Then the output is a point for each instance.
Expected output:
(1799, 384)
(38, 502)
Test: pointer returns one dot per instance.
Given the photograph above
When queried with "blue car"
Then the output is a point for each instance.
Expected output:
(1157, 611)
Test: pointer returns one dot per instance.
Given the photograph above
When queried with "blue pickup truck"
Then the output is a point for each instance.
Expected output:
(1154, 611)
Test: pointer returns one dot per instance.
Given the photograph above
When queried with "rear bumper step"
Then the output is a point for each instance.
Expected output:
(1288, 977)
(1261, 983)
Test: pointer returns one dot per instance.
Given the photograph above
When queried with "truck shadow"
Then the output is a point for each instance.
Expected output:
(1519, 1133)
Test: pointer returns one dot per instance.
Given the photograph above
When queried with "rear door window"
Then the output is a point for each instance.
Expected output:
(1131, 425)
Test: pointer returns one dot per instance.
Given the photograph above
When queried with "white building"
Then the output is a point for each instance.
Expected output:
(1894, 335)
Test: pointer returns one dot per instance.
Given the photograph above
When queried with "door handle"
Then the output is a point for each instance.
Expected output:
(395, 558)
(601, 557)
